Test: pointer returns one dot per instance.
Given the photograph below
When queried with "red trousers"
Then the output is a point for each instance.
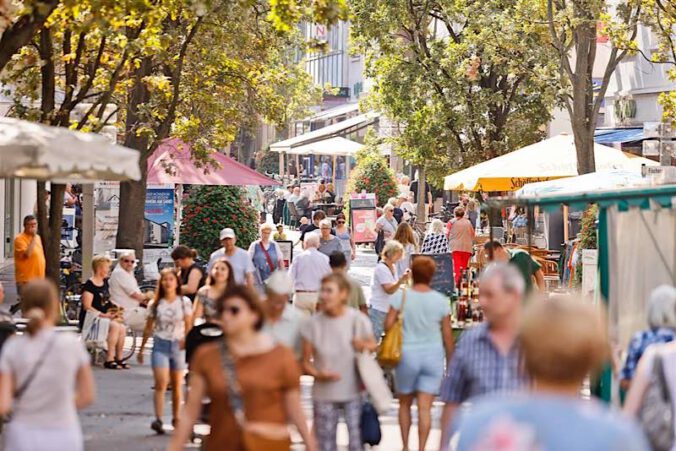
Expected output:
(460, 262)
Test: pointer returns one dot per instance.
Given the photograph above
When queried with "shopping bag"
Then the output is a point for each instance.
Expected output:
(135, 318)
(389, 351)
(95, 330)
(370, 425)
(373, 378)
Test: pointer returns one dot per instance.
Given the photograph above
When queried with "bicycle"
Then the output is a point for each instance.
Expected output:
(133, 334)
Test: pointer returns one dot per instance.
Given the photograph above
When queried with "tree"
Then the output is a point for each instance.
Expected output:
(574, 29)
(216, 67)
(466, 80)
(209, 209)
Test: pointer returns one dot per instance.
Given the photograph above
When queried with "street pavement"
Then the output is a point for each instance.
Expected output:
(120, 418)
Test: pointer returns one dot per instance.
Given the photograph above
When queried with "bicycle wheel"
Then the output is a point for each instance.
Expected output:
(129, 351)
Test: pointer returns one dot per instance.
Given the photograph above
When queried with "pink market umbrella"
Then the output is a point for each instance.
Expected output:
(172, 163)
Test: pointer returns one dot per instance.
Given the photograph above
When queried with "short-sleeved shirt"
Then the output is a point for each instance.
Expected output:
(170, 318)
(331, 339)
(122, 285)
(389, 226)
(328, 247)
(264, 380)
(526, 264)
(28, 268)
(639, 343)
(423, 313)
(547, 422)
(478, 368)
(49, 401)
(382, 275)
(240, 261)
(461, 236)
(286, 330)
(100, 298)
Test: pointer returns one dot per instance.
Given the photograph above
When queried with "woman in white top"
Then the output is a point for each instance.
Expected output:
(45, 377)
(169, 321)
(384, 284)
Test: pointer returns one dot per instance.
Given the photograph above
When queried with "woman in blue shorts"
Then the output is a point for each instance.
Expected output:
(170, 319)
(428, 340)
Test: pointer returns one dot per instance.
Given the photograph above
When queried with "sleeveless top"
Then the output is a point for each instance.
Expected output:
(260, 261)
(209, 305)
(185, 275)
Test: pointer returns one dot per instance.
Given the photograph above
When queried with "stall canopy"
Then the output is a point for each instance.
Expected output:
(587, 183)
(340, 128)
(172, 163)
(331, 146)
(618, 135)
(552, 158)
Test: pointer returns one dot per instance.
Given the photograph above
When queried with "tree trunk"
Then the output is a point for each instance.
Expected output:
(42, 211)
(421, 211)
(133, 193)
(53, 239)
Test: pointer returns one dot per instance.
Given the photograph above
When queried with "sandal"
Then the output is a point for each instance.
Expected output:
(122, 365)
(111, 365)
(157, 426)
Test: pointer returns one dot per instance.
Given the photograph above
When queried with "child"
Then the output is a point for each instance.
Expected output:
(280, 235)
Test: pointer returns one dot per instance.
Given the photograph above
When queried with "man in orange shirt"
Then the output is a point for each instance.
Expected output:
(29, 256)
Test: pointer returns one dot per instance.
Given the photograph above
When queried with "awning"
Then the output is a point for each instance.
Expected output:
(333, 112)
(618, 135)
(341, 128)
(172, 163)
(331, 146)
(587, 183)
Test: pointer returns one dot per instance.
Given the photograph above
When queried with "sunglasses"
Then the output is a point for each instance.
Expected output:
(126, 260)
(341, 222)
(232, 310)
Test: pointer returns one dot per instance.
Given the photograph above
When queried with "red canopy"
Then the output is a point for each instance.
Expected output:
(172, 163)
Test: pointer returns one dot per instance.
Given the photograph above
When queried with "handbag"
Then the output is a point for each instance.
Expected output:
(373, 378)
(250, 440)
(389, 350)
(95, 330)
(656, 414)
(370, 425)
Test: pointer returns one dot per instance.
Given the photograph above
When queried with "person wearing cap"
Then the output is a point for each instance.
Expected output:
(307, 271)
(282, 320)
(242, 266)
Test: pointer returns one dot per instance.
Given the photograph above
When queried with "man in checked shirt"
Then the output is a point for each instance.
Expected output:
(487, 357)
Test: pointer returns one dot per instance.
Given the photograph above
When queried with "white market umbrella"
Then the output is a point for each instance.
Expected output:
(37, 151)
(587, 183)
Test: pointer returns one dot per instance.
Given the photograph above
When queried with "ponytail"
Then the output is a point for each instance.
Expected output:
(35, 318)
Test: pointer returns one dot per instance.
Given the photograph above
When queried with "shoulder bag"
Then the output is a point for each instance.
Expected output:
(656, 414)
(373, 378)
(250, 441)
(389, 351)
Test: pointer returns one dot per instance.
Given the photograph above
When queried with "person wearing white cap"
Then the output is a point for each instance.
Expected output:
(282, 319)
(307, 271)
(242, 266)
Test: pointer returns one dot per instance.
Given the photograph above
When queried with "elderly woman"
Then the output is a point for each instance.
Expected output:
(387, 223)
(435, 241)
(428, 339)
(563, 341)
(328, 244)
(384, 284)
(662, 325)
(266, 254)
(96, 304)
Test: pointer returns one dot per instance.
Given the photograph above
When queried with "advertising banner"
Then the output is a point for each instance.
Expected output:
(159, 218)
(363, 225)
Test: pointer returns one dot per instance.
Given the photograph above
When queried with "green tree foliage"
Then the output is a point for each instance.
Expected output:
(574, 28)
(372, 175)
(466, 80)
(209, 209)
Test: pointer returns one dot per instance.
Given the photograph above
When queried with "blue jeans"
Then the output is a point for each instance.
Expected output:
(167, 354)
(378, 320)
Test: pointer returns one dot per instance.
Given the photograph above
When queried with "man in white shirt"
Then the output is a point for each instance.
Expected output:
(239, 259)
(125, 292)
(307, 271)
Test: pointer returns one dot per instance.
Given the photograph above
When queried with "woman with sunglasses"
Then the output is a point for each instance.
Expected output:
(221, 277)
(345, 237)
(330, 342)
(252, 413)
(169, 320)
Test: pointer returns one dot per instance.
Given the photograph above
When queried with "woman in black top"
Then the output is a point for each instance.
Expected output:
(191, 275)
(96, 303)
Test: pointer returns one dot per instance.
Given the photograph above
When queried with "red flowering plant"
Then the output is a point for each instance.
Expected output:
(209, 209)
(373, 175)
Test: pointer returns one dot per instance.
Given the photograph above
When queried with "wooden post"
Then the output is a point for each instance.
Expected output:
(282, 167)
(297, 167)
(565, 223)
(334, 172)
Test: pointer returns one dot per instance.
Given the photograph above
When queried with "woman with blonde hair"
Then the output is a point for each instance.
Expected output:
(407, 238)
(384, 284)
(563, 340)
(97, 307)
(45, 377)
(169, 321)
(435, 241)
(266, 255)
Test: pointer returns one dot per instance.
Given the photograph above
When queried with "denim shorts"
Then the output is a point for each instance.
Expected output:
(420, 370)
(167, 354)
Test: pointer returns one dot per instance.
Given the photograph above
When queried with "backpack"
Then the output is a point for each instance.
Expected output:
(656, 414)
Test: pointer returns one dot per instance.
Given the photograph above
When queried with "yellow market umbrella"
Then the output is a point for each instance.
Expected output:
(553, 158)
